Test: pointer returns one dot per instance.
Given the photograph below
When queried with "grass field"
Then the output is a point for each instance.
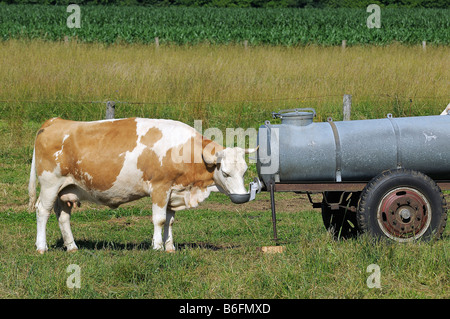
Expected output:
(216, 258)
(225, 86)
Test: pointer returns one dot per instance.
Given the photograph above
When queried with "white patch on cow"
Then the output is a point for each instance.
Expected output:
(57, 153)
(174, 134)
(50, 177)
(182, 197)
(213, 188)
(130, 179)
(88, 176)
(52, 182)
(198, 195)
(148, 187)
(143, 125)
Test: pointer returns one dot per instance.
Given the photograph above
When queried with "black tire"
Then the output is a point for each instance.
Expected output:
(341, 223)
(402, 205)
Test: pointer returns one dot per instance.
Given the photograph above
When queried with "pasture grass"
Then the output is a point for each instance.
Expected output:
(216, 258)
(225, 86)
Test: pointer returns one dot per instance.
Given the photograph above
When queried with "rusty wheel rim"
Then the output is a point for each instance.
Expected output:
(404, 214)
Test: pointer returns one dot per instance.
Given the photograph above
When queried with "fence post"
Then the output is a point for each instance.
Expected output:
(344, 44)
(110, 108)
(347, 107)
(424, 45)
(157, 42)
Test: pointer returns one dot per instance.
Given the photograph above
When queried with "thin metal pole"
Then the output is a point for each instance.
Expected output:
(272, 204)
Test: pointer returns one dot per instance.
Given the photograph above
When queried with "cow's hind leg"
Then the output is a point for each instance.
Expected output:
(44, 205)
(168, 237)
(50, 185)
(42, 214)
(63, 212)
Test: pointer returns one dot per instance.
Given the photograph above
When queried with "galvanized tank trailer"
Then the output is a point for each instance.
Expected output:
(382, 177)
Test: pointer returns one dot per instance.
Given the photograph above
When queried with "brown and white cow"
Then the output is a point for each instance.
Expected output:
(112, 162)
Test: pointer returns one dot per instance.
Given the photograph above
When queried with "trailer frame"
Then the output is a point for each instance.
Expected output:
(321, 187)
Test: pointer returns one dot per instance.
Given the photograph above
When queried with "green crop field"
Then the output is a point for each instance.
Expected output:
(226, 25)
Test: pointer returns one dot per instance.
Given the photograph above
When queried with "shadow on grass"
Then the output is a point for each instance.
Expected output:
(202, 245)
(146, 245)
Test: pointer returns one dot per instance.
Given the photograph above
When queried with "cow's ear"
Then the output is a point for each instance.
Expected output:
(251, 150)
(208, 157)
(219, 155)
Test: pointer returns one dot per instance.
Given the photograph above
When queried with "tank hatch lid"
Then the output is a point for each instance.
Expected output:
(300, 117)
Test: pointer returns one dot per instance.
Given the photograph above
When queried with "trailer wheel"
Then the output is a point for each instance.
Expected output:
(402, 205)
(340, 222)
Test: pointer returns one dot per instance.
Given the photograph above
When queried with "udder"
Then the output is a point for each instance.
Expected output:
(71, 195)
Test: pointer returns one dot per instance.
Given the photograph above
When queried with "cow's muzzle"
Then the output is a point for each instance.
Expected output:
(255, 187)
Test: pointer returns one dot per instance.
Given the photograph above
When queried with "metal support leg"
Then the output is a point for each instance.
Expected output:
(272, 204)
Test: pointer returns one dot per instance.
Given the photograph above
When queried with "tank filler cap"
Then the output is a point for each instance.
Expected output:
(299, 117)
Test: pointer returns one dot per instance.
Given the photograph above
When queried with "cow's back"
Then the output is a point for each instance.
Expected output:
(92, 152)
(115, 161)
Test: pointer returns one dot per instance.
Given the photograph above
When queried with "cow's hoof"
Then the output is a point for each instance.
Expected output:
(71, 247)
(41, 251)
(170, 247)
(158, 245)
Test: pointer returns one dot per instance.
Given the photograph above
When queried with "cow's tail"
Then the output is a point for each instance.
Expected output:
(32, 184)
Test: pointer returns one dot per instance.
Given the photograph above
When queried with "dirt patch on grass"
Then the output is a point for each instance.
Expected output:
(127, 221)
(289, 203)
(284, 202)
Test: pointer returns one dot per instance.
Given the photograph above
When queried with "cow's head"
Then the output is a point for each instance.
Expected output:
(230, 168)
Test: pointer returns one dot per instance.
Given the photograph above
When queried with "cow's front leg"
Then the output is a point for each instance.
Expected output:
(168, 238)
(161, 217)
(159, 220)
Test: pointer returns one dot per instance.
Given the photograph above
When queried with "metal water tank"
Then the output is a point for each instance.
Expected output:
(300, 150)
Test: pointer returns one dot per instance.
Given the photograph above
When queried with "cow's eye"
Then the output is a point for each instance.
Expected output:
(225, 174)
